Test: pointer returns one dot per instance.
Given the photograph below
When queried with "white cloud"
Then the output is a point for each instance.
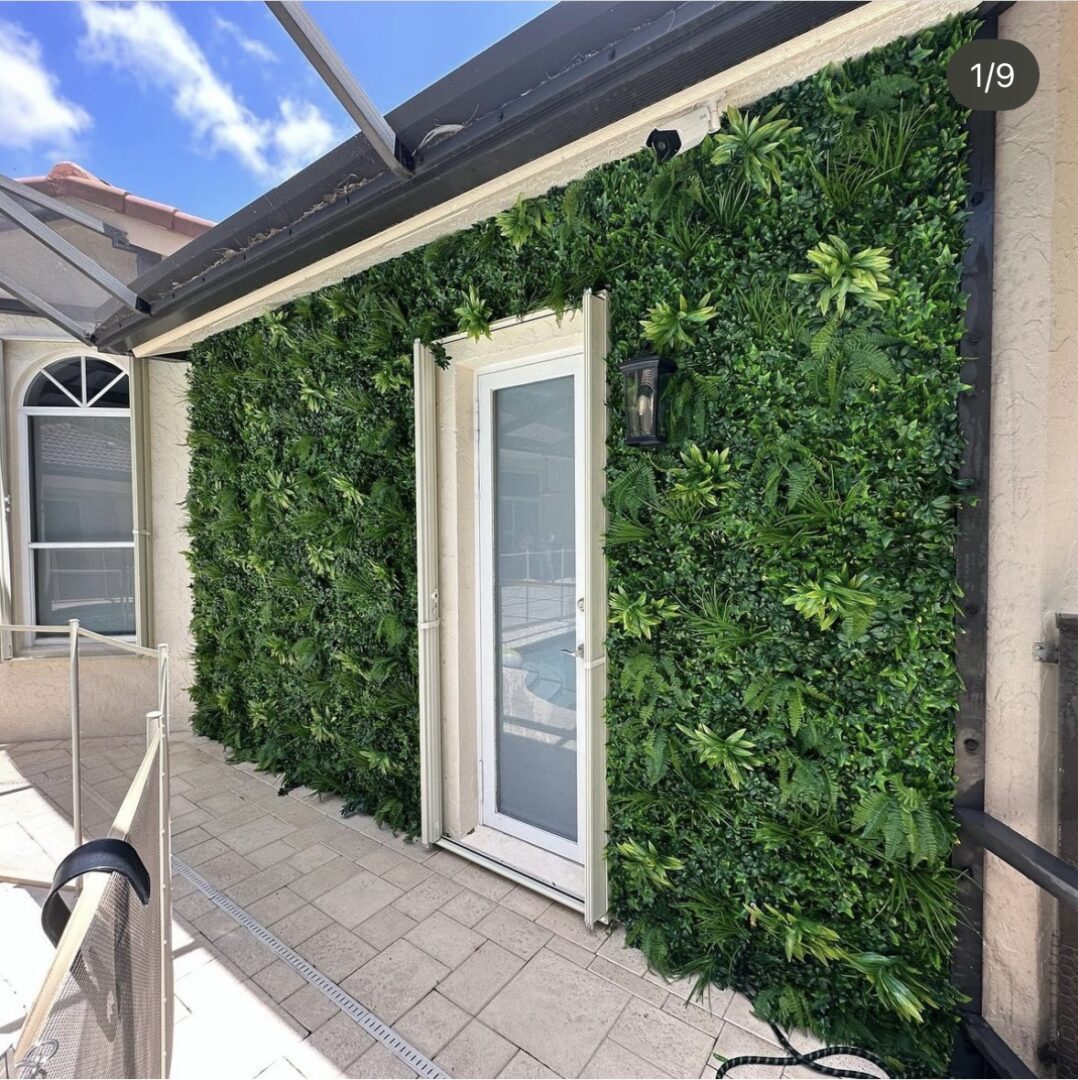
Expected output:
(252, 46)
(145, 40)
(34, 111)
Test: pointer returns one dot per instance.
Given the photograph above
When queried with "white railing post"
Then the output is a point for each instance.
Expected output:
(76, 734)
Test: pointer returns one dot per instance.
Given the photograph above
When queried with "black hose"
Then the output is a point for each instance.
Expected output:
(809, 1060)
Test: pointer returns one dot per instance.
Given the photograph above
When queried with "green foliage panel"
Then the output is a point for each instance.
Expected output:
(783, 687)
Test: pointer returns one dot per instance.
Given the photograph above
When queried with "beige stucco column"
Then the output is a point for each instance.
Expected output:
(1033, 569)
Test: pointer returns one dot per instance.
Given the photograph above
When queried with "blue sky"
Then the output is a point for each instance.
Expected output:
(206, 105)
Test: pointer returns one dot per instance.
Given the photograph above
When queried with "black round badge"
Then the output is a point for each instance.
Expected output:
(993, 75)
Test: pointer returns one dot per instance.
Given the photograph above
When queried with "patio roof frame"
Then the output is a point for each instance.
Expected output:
(61, 209)
(653, 57)
(76, 259)
(44, 309)
(346, 88)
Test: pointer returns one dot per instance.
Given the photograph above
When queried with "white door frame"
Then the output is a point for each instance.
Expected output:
(564, 363)
(446, 704)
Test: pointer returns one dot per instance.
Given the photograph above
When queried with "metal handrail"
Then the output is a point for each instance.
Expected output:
(74, 632)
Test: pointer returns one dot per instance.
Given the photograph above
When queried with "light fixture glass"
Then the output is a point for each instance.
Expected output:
(646, 377)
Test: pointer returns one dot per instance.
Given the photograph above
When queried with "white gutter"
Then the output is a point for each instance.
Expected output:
(848, 36)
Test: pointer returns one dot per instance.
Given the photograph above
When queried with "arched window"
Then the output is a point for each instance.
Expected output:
(80, 507)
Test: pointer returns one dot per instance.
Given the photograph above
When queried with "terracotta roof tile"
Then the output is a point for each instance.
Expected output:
(68, 178)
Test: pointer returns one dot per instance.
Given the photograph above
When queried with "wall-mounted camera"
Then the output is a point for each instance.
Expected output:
(683, 133)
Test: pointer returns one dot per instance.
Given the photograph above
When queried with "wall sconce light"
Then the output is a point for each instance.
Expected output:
(646, 377)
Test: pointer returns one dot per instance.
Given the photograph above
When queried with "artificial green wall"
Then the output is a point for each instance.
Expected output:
(782, 680)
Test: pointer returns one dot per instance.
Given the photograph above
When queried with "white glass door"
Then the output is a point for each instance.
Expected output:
(530, 457)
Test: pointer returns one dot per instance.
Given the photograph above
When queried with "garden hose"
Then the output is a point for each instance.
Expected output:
(797, 1058)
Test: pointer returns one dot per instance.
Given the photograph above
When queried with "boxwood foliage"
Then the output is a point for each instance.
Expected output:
(782, 677)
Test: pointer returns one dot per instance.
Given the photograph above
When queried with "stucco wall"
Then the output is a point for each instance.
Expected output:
(116, 691)
(1033, 568)
(169, 458)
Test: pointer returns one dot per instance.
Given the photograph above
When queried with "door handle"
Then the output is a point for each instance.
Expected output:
(578, 652)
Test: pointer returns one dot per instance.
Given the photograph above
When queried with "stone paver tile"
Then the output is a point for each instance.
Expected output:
(279, 980)
(656, 995)
(476, 1051)
(427, 897)
(348, 842)
(186, 841)
(255, 834)
(215, 924)
(310, 858)
(295, 812)
(380, 859)
(195, 905)
(838, 1061)
(684, 987)
(468, 907)
(693, 1014)
(384, 927)
(613, 1062)
(219, 803)
(336, 952)
(733, 1042)
(281, 1069)
(245, 951)
(263, 883)
(315, 833)
(432, 1023)
(662, 1039)
(616, 951)
(563, 947)
(279, 903)
(557, 1012)
(358, 898)
(301, 924)
(525, 902)
(218, 826)
(378, 1063)
(310, 1006)
(571, 926)
(445, 862)
(317, 882)
(481, 976)
(739, 1011)
(227, 870)
(271, 854)
(395, 980)
(520, 936)
(201, 853)
(445, 939)
(340, 1040)
(523, 1066)
(482, 881)
(407, 874)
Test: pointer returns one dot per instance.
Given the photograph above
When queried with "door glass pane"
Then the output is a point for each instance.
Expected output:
(94, 585)
(535, 594)
(81, 478)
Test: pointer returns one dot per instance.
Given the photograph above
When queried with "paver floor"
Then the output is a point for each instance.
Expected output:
(486, 978)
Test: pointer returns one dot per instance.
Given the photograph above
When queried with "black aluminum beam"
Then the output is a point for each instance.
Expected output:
(55, 206)
(999, 1056)
(44, 309)
(1049, 871)
(76, 259)
(571, 86)
(334, 72)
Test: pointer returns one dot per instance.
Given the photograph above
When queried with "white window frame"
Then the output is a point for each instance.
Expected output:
(590, 331)
(492, 379)
(134, 373)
